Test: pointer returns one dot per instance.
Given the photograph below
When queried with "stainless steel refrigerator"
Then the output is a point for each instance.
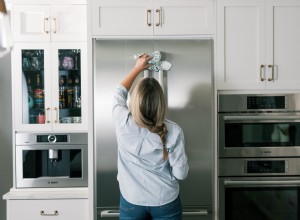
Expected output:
(188, 89)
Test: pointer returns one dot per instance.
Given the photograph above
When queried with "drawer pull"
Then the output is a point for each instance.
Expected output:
(55, 213)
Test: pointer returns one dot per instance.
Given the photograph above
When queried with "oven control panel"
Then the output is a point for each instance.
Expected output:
(243, 103)
(51, 138)
(266, 102)
(266, 166)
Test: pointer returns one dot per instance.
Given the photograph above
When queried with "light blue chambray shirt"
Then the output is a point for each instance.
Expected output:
(145, 178)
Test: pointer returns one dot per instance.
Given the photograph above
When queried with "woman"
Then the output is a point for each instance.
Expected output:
(151, 155)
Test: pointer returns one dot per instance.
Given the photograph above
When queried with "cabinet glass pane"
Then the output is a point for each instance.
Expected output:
(33, 87)
(69, 81)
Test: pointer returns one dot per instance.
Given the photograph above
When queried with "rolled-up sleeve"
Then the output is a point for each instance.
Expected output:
(120, 109)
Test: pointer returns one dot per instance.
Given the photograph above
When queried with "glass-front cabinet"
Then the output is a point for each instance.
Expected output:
(50, 88)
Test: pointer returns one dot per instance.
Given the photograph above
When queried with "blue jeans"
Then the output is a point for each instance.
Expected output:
(170, 211)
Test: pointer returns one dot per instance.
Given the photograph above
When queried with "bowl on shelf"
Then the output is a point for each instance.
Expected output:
(66, 120)
(76, 119)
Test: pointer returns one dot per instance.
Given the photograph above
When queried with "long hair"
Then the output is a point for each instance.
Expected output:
(148, 108)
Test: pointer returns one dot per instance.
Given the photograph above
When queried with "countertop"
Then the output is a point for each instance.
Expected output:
(47, 193)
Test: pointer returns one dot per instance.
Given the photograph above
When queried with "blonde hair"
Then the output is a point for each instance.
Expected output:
(148, 108)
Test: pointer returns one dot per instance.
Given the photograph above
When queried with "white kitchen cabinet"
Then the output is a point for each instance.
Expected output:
(50, 23)
(282, 45)
(49, 65)
(50, 86)
(58, 209)
(257, 44)
(150, 17)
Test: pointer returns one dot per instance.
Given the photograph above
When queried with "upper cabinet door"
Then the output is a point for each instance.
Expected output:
(69, 86)
(68, 23)
(127, 18)
(283, 34)
(152, 17)
(50, 86)
(240, 44)
(192, 17)
(32, 91)
(41, 23)
(31, 23)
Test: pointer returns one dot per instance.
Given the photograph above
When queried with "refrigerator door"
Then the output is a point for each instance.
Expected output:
(188, 89)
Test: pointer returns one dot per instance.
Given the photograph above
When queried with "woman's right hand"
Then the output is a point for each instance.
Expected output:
(140, 65)
(142, 62)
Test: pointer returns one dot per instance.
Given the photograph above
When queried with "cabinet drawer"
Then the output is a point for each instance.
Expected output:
(62, 209)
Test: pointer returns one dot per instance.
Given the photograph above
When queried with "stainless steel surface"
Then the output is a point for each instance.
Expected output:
(257, 119)
(271, 194)
(53, 154)
(245, 183)
(189, 93)
(259, 151)
(238, 102)
(31, 138)
(263, 118)
(197, 212)
(238, 167)
(110, 213)
(259, 181)
(28, 142)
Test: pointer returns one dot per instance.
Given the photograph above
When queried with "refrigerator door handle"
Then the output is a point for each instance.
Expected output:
(116, 213)
(110, 213)
(196, 212)
(146, 73)
(161, 78)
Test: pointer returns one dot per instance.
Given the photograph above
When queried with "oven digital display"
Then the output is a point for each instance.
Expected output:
(266, 166)
(265, 102)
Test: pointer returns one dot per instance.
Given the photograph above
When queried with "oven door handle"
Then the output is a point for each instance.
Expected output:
(247, 118)
(262, 183)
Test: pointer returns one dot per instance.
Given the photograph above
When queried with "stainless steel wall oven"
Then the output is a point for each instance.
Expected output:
(51, 160)
(259, 125)
(259, 157)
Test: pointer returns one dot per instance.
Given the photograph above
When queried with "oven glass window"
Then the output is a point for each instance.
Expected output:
(262, 134)
(262, 203)
(52, 163)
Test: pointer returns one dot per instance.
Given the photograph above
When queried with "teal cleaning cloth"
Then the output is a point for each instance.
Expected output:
(155, 61)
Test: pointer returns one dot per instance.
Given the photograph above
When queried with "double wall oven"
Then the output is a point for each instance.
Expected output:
(259, 156)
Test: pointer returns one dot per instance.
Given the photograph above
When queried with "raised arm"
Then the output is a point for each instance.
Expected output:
(140, 65)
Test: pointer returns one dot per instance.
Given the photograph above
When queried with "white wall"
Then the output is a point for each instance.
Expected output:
(6, 178)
